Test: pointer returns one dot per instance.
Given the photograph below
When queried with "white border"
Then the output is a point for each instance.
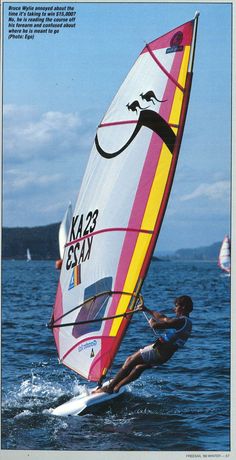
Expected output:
(158, 455)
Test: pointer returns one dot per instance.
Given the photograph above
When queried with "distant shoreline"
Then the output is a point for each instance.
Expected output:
(43, 244)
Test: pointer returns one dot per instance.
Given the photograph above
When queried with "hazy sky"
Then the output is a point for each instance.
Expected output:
(56, 89)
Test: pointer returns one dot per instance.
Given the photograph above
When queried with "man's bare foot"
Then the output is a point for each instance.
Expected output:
(96, 390)
(116, 389)
(105, 389)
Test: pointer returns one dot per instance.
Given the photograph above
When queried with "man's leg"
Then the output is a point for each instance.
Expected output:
(133, 375)
(127, 367)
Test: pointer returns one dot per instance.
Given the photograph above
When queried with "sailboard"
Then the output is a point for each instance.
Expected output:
(63, 233)
(224, 260)
(121, 205)
(82, 404)
(28, 255)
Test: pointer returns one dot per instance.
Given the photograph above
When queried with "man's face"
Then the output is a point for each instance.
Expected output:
(178, 309)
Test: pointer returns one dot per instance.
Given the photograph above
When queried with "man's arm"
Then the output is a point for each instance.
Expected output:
(166, 323)
(155, 314)
(161, 321)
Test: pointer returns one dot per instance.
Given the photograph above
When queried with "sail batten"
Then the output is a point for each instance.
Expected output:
(176, 83)
(121, 205)
(105, 230)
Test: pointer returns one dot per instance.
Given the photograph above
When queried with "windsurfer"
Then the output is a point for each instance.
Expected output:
(178, 330)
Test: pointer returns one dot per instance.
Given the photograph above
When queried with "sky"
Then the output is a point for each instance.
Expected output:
(57, 88)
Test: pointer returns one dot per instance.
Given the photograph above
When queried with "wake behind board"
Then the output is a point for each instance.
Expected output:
(81, 404)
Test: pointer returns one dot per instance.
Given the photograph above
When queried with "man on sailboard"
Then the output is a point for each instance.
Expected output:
(178, 330)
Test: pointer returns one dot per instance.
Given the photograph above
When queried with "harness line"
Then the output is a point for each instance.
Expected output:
(154, 332)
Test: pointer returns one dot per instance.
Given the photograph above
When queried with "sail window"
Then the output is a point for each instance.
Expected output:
(94, 308)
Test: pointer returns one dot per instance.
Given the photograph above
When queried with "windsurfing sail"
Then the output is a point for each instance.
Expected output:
(224, 260)
(63, 233)
(121, 204)
(28, 255)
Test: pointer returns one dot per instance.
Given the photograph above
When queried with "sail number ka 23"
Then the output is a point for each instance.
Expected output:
(81, 226)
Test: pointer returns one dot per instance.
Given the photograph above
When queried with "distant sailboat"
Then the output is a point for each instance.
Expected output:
(224, 255)
(28, 255)
(63, 232)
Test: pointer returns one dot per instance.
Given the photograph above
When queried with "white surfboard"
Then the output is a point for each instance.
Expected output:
(81, 404)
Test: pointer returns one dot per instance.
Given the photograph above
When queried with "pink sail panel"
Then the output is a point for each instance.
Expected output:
(181, 36)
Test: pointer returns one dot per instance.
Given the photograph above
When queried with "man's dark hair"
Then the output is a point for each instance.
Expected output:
(185, 301)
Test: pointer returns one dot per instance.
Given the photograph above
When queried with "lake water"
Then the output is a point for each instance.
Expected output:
(183, 405)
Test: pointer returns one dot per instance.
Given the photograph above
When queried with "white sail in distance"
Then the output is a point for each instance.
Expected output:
(224, 260)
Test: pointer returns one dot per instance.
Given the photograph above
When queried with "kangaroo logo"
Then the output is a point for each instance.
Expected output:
(149, 96)
(147, 118)
(134, 106)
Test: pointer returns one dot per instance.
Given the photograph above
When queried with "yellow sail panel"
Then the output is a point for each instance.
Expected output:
(158, 188)
(184, 66)
(132, 277)
(178, 98)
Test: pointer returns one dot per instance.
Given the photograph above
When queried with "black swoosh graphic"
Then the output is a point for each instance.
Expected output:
(151, 120)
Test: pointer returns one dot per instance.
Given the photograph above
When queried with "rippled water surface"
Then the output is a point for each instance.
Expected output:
(182, 406)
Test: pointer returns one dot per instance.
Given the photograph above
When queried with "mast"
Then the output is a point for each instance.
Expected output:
(193, 48)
